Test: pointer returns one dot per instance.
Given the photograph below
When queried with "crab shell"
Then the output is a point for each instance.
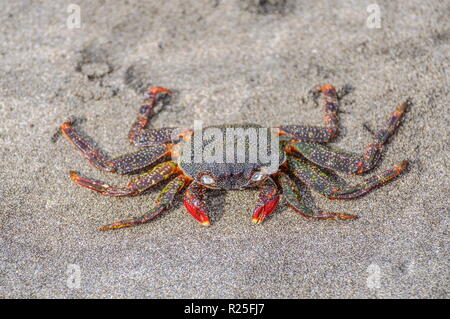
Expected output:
(230, 157)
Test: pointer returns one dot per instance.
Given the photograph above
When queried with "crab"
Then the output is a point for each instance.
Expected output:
(300, 157)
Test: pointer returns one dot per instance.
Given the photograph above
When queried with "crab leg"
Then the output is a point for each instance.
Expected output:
(163, 202)
(331, 120)
(139, 134)
(123, 164)
(195, 203)
(267, 202)
(341, 161)
(136, 186)
(317, 179)
(292, 196)
(155, 136)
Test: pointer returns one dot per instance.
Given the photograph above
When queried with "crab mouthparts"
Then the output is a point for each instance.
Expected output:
(232, 182)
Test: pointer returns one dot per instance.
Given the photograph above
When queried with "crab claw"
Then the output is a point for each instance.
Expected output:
(265, 210)
(267, 202)
(197, 212)
(195, 205)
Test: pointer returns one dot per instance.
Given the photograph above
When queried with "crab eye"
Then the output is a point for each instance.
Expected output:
(207, 180)
(258, 176)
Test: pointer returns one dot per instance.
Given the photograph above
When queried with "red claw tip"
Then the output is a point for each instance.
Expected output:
(206, 223)
(255, 220)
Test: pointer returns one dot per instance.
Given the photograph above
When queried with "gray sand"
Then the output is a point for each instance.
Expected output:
(227, 61)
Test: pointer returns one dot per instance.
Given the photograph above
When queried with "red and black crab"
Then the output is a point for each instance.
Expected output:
(302, 153)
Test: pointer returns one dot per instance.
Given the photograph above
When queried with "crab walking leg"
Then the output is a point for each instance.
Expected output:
(292, 196)
(139, 134)
(123, 164)
(136, 186)
(341, 161)
(267, 202)
(331, 120)
(317, 179)
(330, 108)
(92, 154)
(155, 136)
(195, 203)
(142, 158)
(163, 202)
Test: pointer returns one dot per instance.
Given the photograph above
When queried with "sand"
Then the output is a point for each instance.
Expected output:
(227, 62)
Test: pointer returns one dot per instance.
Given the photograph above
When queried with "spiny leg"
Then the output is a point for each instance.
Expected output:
(195, 203)
(123, 164)
(92, 154)
(292, 196)
(331, 121)
(267, 202)
(163, 202)
(139, 134)
(317, 179)
(136, 186)
(147, 109)
(155, 136)
(341, 161)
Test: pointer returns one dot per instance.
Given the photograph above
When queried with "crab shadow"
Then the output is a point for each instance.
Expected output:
(216, 203)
